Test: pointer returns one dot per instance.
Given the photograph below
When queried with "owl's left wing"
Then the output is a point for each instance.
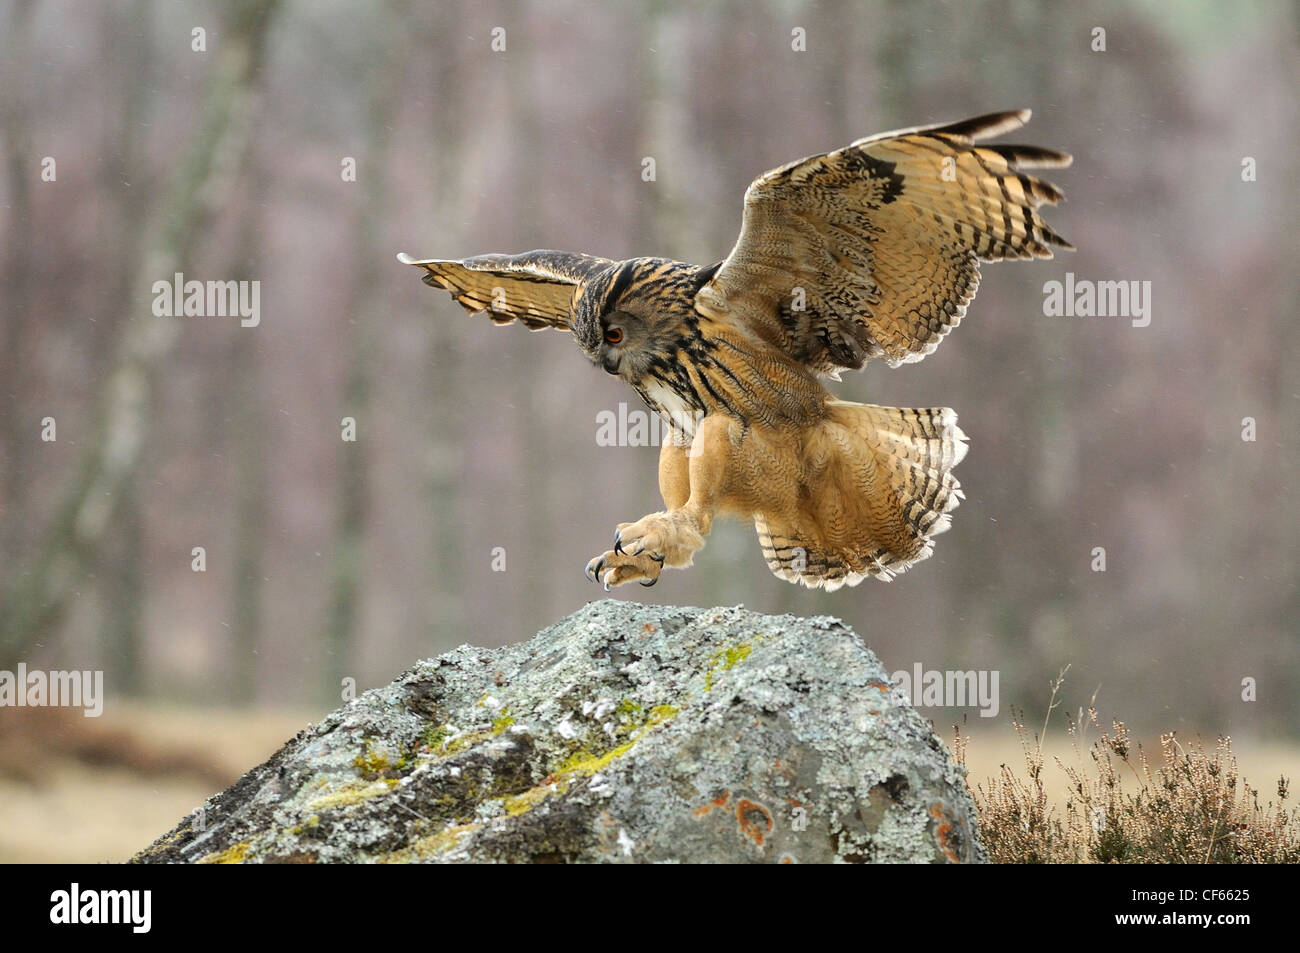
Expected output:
(873, 250)
(536, 288)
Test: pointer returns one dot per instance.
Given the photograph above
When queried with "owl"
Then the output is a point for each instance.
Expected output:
(868, 252)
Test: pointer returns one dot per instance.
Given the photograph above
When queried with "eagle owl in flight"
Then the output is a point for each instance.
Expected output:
(870, 251)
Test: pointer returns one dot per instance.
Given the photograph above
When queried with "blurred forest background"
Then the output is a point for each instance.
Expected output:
(328, 559)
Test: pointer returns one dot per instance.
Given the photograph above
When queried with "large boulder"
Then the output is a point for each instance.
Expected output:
(624, 733)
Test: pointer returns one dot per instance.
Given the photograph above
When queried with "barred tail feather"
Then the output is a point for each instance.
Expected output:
(879, 488)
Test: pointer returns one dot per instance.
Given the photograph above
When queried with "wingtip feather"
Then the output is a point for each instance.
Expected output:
(988, 126)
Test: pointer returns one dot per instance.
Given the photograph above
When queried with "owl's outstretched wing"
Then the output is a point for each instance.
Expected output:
(536, 288)
(873, 250)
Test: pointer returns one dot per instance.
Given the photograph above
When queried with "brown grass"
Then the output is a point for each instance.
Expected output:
(1191, 807)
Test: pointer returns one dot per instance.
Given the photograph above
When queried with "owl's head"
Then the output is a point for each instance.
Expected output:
(636, 314)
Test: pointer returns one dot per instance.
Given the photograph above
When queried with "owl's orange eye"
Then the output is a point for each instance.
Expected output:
(614, 335)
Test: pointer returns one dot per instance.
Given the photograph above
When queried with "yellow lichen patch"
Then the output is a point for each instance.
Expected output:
(349, 795)
(436, 736)
(429, 846)
(516, 804)
(634, 718)
(234, 854)
(628, 710)
(449, 744)
(376, 762)
(309, 823)
(661, 713)
(737, 654)
(444, 740)
(583, 763)
(728, 659)
(371, 764)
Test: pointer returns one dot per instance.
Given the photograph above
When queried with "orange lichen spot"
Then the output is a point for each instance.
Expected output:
(943, 832)
(755, 820)
(719, 801)
(786, 859)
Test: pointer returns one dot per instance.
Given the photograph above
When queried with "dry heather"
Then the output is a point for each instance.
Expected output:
(1191, 808)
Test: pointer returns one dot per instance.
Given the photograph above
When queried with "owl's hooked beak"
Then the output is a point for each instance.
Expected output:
(609, 361)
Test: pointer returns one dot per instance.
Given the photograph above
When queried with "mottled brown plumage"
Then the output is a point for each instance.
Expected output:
(870, 251)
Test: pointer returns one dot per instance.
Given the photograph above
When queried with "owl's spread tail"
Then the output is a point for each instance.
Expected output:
(875, 487)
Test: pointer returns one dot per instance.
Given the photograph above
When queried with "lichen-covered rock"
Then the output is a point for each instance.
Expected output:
(624, 733)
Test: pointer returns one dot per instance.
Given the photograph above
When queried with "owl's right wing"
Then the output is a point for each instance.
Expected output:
(537, 288)
(873, 250)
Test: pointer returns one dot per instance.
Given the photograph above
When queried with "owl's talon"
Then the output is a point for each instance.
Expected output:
(655, 537)
(641, 551)
(613, 569)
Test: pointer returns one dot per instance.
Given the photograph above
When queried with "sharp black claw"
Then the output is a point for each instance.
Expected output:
(650, 583)
(618, 543)
(593, 571)
(657, 558)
